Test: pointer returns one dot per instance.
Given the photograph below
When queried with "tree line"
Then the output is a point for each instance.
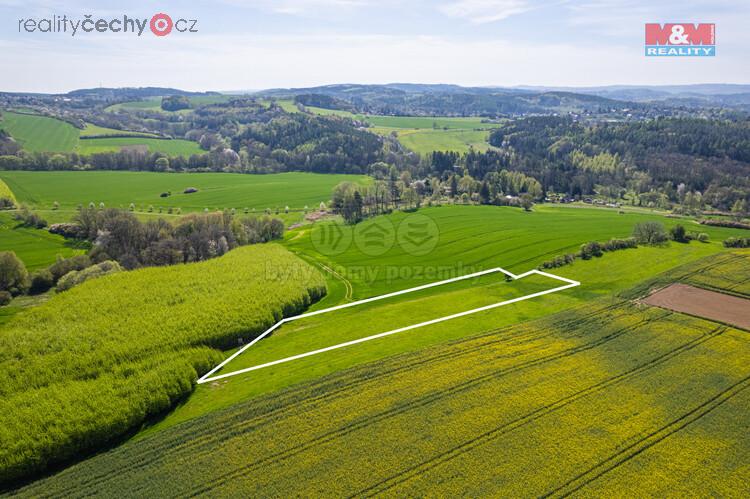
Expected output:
(118, 240)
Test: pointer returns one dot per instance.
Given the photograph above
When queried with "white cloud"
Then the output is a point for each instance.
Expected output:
(485, 11)
(298, 7)
(234, 62)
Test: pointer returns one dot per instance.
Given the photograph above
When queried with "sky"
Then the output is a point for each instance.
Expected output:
(253, 45)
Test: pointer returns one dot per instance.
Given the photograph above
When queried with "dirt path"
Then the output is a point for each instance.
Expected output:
(349, 288)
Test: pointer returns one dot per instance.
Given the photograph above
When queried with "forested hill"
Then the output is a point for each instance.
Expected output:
(131, 92)
(667, 159)
(450, 100)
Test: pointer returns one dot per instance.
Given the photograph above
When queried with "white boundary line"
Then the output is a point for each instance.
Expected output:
(207, 377)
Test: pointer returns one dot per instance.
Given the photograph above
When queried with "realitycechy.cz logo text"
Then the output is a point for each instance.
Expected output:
(681, 39)
(159, 24)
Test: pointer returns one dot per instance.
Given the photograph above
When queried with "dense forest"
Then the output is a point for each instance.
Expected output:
(656, 162)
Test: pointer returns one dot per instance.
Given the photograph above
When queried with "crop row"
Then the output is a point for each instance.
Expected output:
(567, 390)
(728, 272)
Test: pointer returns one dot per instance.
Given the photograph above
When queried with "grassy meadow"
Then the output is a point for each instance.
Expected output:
(37, 248)
(425, 134)
(171, 147)
(215, 190)
(72, 379)
(40, 133)
(43, 134)
(92, 130)
(425, 141)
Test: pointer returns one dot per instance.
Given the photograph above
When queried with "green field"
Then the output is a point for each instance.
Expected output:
(609, 396)
(6, 193)
(154, 103)
(94, 362)
(425, 134)
(43, 134)
(173, 147)
(36, 248)
(425, 141)
(96, 130)
(482, 237)
(215, 190)
(559, 364)
(471, 239)
(40, 133)
(288, 105)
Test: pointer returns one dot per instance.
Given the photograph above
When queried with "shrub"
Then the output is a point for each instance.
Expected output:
(650, 233)
(165, 194)
(590, 250)
(737, 242)
(678, 234)
(697, 236)
(65, 265)
(5, 298)
(260, 230)
(175, 103)
(14, 278)
(559, 261)
(68, 230)
(6, 203)
(619, 244)
(725, 223)
(41, 282)
(76, 277)
(30, 219)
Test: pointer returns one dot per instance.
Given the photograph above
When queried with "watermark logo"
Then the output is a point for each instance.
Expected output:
(160, 24)
(374, 237)
(331, 238)
(416, 235)
(680, 40)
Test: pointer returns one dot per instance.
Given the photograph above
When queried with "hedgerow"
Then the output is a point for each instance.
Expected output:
(590, 250)
(725, 223)
(95, 362)
(737, 242)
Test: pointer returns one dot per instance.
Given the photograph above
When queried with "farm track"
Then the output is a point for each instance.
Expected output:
(503, 429)
(347, 283)
(716, 262)
(203, 442)
(628, 453)
(410, 406)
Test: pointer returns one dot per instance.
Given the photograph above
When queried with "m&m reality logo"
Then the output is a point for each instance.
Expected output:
(681, 39)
